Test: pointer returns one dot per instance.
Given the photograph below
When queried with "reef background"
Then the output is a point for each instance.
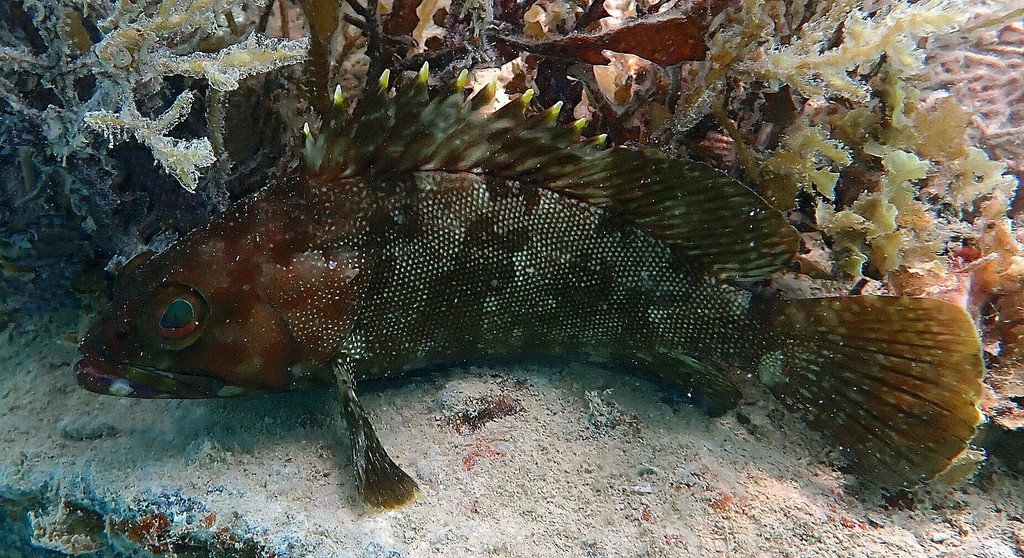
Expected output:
(890, 132)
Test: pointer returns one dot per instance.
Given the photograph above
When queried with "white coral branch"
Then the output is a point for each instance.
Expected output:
(146, 42)
(809, 66)
(181, 158)
(223, 69)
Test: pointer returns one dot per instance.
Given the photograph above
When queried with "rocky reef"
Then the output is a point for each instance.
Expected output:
(891, 133)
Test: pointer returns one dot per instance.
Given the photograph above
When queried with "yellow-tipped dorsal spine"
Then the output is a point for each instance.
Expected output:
(338, 98)
(491, 89)
(309, 147)
(551, 115)
(424, 74)
(526, 97)
(601, 140)
(462, 81)
(385, 79)
(485, 96)
(579, 125)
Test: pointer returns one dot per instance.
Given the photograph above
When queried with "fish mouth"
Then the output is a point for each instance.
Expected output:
(106, 377)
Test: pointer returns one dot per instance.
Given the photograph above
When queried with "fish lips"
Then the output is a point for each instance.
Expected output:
(99, 375)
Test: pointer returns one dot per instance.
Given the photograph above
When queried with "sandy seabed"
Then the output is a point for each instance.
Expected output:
(518, 462)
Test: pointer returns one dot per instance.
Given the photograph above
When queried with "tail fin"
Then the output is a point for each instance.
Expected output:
(894, 380)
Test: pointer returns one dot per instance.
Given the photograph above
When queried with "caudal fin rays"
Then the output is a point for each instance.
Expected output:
(895, 381)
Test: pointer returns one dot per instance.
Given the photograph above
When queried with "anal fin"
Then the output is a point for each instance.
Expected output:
(704, 386)
(894, 380)
(381, 482)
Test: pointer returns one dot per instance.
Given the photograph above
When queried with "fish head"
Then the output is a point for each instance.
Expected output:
(186, 324)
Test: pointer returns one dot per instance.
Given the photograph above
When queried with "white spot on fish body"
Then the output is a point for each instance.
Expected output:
(230, 391)
(120, 388)
(769, 369)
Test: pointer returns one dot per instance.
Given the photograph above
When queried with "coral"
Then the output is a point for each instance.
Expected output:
(141, 70)
(181, 158)
(886, 163)
(426, 29)
(813, 64)
(69, 528)
(808, 158)
(164, 44)
(987, 77)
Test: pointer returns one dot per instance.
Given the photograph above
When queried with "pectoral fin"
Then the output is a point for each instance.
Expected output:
(381, 482)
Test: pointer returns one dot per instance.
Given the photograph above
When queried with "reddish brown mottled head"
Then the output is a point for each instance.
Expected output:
(193, 321)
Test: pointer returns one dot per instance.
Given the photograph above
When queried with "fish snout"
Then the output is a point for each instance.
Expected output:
(100, 375)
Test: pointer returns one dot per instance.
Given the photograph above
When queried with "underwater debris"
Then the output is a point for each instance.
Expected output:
(483, 449)
(68, 528)
(164, 525)
(479, 411)
(173, 525)
(663, 40)
(426, 29)
(466, 409)
(604, 414)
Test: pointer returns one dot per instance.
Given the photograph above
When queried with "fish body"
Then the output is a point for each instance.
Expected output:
(424, 231)
(407, 282)
(516, 270)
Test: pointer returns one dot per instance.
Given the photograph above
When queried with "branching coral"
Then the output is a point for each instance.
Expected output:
(182, 158)
(139, 45)
(814, 63)
(165, 43)
(808, 158)
(864, 141)
(144, 70)
(819, 48)
(923, 156)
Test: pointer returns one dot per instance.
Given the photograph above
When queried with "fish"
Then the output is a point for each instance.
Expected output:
(424, 229)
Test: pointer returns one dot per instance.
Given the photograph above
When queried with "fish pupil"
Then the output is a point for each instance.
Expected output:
(178, 314)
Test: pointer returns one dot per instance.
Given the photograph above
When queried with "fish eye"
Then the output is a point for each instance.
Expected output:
(180, 314)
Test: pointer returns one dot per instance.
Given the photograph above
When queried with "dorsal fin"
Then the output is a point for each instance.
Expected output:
(704, 212)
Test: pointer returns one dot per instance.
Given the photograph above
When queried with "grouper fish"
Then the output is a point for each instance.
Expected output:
(422, 229)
